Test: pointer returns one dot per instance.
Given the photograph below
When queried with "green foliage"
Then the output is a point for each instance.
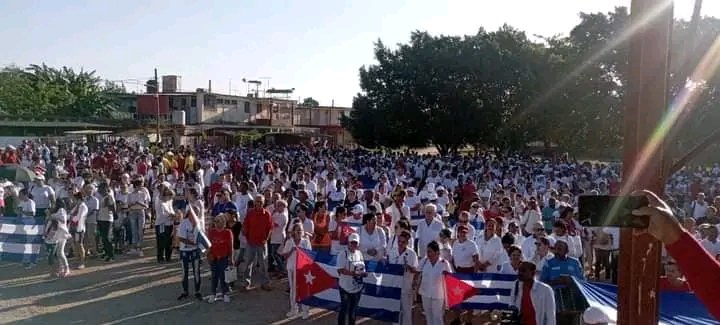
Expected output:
(310, 102)
(501, 90)
(39, 90)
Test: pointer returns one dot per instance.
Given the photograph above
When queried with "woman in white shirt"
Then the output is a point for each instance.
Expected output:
(26, 206)
(404, 255)
(400, 226)
(77, 227)
(372, 239)
(351, 271)
(277, 235)
(511, 266)
(490, 247)
(165, 218)
(289, 252)
(62, 234)
(432, 284)
(138, 202)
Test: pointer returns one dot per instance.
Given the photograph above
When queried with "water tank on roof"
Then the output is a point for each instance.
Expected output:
(178, 117)
(170, 84)
(151, 87)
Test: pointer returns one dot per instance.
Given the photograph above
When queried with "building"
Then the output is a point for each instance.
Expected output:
(207, 110)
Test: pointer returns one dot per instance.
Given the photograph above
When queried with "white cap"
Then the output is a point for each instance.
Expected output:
(354, 237)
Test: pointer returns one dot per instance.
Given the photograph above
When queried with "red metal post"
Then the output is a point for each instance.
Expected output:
(646, 104)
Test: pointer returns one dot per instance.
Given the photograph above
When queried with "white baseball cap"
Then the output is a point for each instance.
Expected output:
(354, 237)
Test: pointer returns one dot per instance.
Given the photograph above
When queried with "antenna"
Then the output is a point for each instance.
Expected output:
(267, 84)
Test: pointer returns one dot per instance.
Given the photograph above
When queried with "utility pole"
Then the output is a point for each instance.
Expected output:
(157, 104)
(646, 104)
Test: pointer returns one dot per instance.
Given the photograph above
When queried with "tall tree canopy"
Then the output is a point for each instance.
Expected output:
(502, 90)
(39, 90)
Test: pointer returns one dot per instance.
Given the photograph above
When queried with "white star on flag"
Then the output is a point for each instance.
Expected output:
(309, 278)
(457, 291)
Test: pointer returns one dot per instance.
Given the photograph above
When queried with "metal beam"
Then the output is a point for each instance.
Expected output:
(646, 104)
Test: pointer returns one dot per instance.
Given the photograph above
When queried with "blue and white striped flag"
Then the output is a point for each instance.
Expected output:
(479, 291)
(20, 239)
(380, 299)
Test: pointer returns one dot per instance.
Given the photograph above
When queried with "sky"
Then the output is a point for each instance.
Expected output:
(313, 46)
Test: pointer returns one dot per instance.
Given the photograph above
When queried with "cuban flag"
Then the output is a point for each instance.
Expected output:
(479, 291)
(202, 241)
(20, 239)
(317, 276)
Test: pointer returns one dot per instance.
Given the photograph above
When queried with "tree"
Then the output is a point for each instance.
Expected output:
(310, 102)
(442, 91)
(39, 90)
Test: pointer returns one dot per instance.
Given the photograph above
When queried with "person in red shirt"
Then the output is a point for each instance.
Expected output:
(701, 269)
(142, 167)
(220, 256)
(534, 300)
(257, 228)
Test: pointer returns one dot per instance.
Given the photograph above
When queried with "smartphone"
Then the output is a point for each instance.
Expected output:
(611, 211)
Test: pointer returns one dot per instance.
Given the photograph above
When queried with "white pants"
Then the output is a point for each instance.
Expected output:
(293, 291)
(434, 310)
(406, 306)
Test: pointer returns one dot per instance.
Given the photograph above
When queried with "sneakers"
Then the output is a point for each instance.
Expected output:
(213, 298)
(305, 314)
(226, 298)
(292, 313)
(182, 296)
(81, 266)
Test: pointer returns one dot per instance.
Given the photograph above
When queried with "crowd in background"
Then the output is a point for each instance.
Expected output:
(464, 213)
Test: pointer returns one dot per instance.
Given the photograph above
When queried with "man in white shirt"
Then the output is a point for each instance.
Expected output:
(429, 229)
(43, 195)
(541, 297)
(711, 243)
(698, 208)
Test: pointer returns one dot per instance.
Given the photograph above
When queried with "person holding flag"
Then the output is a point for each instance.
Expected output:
(432, 284)
(289, 252)
(351, 271)
(187, 234)
(405, 256)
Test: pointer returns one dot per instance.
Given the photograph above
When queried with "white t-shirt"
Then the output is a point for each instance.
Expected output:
(352, 261)
(462, 253)
(280, 220)
(491, 251)
(27, 207)
(289, 244)
(377, 240)
(409, 258)
(186, 230)
(42, 195)
(433, 283)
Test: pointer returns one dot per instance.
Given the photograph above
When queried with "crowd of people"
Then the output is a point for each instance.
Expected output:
(256, 206)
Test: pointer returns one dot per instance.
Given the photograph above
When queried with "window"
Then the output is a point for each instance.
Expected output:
(247, 107)
(259, 108)
(183, 102)
(193, 101)
(234, 102)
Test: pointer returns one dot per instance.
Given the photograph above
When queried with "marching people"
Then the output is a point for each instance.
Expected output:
(187, 234)
(289, 252)
(405, 256)
(220, 257)
(432, 285)
(257, 229)
(164, 220)
(373, 241)
(351, 274)
(534, 300)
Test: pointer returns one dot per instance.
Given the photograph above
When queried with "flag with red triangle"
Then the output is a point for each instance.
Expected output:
(310, 277)
(479, 291)
(457, 290)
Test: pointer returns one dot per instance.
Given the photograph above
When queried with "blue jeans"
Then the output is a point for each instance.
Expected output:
(348, 306)
(275, 259)
(253, 255)
(190, 260)
(137, 226)
(217, 267)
